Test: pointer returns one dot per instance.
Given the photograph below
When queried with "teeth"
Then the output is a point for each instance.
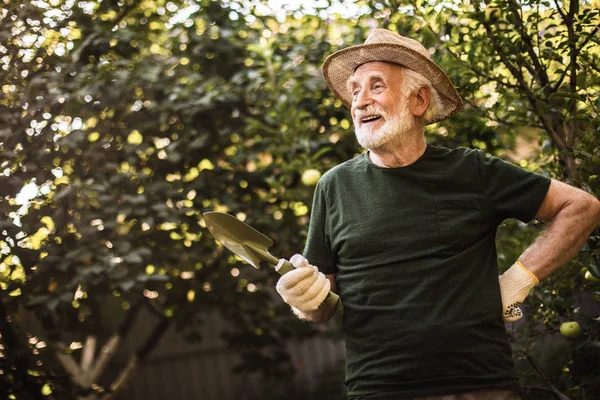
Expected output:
(371, 118)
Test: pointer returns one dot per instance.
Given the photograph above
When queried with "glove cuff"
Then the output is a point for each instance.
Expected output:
(515, 285)
(519, 278)
(311, 316)
(534, 278)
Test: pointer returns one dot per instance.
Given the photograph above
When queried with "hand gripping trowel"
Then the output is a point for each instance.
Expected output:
(249, 244)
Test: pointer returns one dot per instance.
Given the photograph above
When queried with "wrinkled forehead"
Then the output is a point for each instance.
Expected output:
(384, 65)
(376, 70)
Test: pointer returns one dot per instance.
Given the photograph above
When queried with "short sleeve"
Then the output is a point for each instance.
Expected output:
(318, 243)
(514, 192)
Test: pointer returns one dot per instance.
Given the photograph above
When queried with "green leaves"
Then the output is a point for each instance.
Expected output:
(568, 95)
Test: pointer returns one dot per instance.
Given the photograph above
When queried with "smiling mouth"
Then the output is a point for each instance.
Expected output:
(370, 119)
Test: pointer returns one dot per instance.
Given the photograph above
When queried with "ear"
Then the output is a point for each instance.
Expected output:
(419, 101)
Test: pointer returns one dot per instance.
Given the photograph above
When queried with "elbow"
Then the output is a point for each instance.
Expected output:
(592, 207)
(596, 206)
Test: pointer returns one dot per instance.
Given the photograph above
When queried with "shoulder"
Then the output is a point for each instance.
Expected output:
(459, 156)
(342, 170)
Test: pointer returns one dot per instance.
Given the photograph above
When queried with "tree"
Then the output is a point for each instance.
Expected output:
(123, 124)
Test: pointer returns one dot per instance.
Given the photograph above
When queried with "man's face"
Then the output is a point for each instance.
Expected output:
(380, 106)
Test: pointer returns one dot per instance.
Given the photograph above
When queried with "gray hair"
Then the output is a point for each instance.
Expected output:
(413, 81)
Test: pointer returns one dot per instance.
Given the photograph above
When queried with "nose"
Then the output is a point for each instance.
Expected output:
(362, 100)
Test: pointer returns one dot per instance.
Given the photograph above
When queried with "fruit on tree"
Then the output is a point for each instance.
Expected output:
(311, 176)
(570, 329)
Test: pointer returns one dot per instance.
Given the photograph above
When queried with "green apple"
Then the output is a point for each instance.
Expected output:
(311, 176)
(570, 329)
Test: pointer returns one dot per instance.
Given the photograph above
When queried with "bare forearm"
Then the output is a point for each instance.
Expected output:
(563, 238)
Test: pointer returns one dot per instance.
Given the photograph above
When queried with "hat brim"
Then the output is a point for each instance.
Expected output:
(340, 66)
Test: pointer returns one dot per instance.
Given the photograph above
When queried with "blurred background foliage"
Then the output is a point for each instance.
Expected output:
(122, 121)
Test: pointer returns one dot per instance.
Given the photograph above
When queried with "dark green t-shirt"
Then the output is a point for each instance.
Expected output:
(414, 253)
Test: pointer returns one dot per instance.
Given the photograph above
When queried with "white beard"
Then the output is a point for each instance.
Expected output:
(396, 131)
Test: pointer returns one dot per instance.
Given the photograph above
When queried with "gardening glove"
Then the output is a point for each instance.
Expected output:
(515, 285)
(303, 288)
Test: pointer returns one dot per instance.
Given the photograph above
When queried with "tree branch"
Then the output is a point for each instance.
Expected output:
(588, 38)
(112, 345)
(453, 54)
(69, 364)
(88, 352)
(123, 377)
(538, 71)
(106, 354)
(127, 321)
(552, 120)
(591, 104)
(560, 11)
(538, 388)
(547, 382)
(483, 75)
(549, 125)
(139, 357)
(65, 359)
(567, 68)
(513, 69)
(484, 113)
(572, 124)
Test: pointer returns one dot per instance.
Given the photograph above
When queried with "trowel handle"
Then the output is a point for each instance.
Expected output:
(286, 266)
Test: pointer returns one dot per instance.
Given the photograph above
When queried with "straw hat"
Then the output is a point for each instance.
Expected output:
(384, 45)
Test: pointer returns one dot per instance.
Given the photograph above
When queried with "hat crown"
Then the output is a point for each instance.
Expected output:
(383, 36)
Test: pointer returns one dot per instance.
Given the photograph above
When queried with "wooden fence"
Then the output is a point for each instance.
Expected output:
(178, 370)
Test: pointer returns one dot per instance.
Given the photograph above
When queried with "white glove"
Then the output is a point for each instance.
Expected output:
(303, 288)
(515, 285)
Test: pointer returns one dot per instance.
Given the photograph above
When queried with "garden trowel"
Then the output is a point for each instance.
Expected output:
(249, 244)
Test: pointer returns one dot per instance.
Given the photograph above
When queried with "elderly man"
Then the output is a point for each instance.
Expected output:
(405, 234)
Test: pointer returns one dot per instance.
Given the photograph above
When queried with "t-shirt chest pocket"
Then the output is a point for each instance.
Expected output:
(462, 222)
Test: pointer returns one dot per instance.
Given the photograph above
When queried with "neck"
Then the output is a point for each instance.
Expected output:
(399, 154)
